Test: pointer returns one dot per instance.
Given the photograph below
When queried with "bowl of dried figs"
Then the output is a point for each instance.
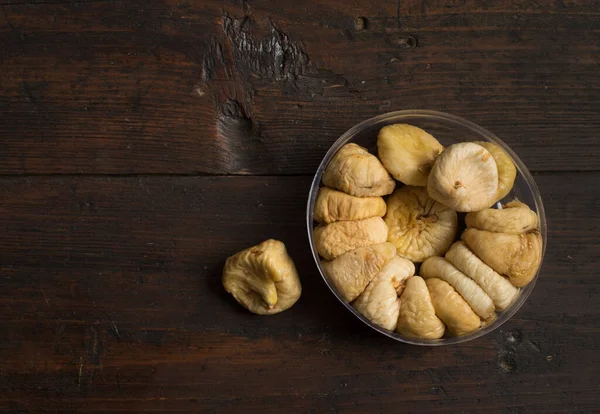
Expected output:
(426, 226)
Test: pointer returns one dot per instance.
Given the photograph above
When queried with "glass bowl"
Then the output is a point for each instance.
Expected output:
(448, 129)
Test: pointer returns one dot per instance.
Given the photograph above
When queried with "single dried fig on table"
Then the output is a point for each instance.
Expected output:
(451, 308)
(498, 288)
(464, 177)
(471, 292)
(407, 152)
(263, 278)
(419, 226)
(351, 272)
(507, 172)
(332, 205)
(514, 217)
(354, 171)
(379, 302)
(517, 256)
(340, 237)
(417, 316)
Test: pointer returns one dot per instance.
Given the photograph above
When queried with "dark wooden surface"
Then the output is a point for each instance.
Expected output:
(142, 143)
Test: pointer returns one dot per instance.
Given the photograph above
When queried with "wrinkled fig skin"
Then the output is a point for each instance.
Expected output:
(507, 172)
(419, 226)
(356, 172)
(464, 177)
(351, 272)
(340, 237)
(517, 256)
(514, 217)
(417, 317)
(379, 302)
(471, 292)
(407, 152)
(498, 288)
(451, 308)
(263, 278)
(332, 205)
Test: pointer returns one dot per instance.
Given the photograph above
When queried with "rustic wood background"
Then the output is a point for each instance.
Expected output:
(141, 143)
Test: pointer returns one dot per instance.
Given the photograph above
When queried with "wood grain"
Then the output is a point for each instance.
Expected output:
(112, 302)
(202, 87)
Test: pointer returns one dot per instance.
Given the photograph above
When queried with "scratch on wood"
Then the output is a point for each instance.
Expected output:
(116, 330)
(80, 372)
(45, 298)
(274, 57)
(95, 348)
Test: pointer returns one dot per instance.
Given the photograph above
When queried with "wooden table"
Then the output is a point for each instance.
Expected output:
(142, 143)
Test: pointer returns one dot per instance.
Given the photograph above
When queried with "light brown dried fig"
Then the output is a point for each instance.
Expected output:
(514, 217)
(263, 278)
(517, 256)
(498, 288)
(340, 237)
(379, 302)
(451, 308)
(332, 205)
(471, 292)
(464, 177)
(417, 317)
(351, 272)
(407, 152)
(419, 226)
(354, 171)
(507, 172)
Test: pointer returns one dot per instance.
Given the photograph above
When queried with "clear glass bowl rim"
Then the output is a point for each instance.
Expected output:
(398, 117)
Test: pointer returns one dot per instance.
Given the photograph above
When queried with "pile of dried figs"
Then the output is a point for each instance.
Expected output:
(370, 244)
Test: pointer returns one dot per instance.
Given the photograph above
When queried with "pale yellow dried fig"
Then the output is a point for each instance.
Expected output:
(263, 278)
(498, 288)
(471, 292)
(379, 302)
(340, 237)
(517, 256)
(507, 172)
(354, 171)
(417, 317)
(332, 205)
(419, 226)
(407, 152)
(464, 177)
(451, 308)
(514, 217)
(351, 272)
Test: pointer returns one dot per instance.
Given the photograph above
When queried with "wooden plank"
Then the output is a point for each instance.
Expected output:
(111, 298)
(198, 88)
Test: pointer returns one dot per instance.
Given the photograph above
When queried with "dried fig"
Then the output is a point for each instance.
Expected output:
(479, 301)
(451, 308)
(417, 315)
(351, 272)
(419, 226)
(263, 278)
(464, 177)
(514, 217)
(517, 256)
(332, 205)
(354, 171)
(507, 171)
(379, 302)
(498, 288)
(407, 152)
(340, 237)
